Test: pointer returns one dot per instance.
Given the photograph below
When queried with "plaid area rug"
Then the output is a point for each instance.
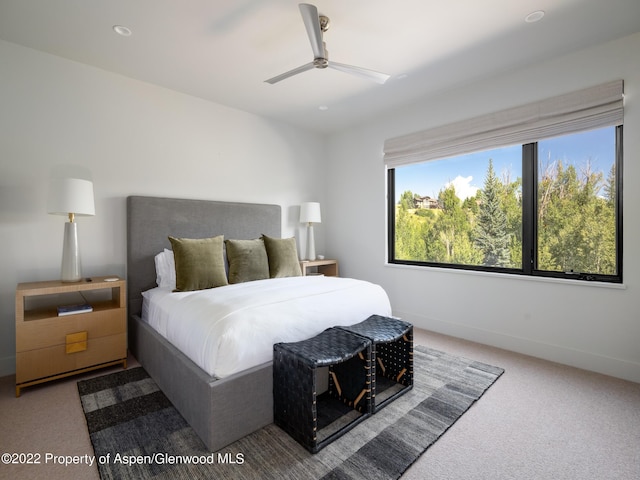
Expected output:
(137, 433)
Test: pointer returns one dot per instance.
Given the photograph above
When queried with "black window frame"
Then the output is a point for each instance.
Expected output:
(529, 224)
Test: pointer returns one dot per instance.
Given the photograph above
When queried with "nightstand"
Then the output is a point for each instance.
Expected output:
(49, 346)
(325, 267)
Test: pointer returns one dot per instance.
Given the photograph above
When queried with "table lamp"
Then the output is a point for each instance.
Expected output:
(310, 214)
(71, 197)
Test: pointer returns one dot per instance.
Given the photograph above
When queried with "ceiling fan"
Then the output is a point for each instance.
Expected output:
(316, 25)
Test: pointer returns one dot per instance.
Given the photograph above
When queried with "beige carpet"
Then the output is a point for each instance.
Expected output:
(540, 421)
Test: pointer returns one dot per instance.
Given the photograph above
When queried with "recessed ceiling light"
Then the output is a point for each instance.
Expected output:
(534, 16)
(122, 30)
(323, 108)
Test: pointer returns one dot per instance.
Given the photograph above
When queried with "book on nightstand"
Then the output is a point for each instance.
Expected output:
(73, 309)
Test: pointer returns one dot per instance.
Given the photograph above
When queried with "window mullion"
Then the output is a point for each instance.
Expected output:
(391, 215)
(529, 202)
(618, 183)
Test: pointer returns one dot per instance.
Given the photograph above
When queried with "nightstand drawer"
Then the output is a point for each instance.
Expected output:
(45, 362)
(51, 332)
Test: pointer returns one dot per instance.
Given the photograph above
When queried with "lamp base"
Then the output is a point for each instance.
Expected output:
(311, 244)
(71, 269)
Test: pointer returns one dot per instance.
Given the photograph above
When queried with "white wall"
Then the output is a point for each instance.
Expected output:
(584, 325)
(136, 139)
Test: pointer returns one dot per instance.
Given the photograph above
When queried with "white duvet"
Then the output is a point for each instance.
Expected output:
(228, 329)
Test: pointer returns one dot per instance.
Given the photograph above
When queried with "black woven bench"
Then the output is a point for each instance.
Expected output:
(317, 420)
(392, 357)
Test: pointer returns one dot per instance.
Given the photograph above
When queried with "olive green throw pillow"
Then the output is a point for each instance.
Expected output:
(247, 260)
(283, 257)
(199, 263)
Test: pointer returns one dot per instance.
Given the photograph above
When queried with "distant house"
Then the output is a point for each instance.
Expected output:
(426, 202)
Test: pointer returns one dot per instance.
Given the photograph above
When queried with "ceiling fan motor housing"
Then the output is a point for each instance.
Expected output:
(324, 22)
(322, 62)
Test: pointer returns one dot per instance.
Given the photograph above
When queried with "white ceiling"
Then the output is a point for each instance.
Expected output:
(223, 50)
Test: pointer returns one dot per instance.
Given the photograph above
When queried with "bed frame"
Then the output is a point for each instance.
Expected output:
(219, 410)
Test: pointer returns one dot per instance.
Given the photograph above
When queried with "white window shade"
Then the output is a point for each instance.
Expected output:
(586, 109)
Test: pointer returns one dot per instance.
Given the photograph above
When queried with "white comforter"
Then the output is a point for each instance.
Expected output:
(228, 329)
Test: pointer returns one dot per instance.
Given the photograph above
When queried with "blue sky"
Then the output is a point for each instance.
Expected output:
(467, 172)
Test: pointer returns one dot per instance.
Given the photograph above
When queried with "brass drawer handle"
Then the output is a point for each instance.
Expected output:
(76, 342)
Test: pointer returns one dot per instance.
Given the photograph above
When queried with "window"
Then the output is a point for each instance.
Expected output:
(550, 206)
(577, 203)
(444, 214)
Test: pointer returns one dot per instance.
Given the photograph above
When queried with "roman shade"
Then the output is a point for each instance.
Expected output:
(593, 107)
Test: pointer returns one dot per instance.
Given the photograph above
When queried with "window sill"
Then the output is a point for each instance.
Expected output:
(510, 276)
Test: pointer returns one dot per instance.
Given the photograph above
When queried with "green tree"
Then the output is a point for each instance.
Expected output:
(557, 218)
(449, 239)
(406, 200)
(471, 204)
(409, 234)
(511, 202)
(610, 187)
(490, 234)
(576, 227)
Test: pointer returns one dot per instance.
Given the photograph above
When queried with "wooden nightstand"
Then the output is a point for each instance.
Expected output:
(49, 346)
(328, 268)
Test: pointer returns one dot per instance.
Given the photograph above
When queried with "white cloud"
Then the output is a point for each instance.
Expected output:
(463, 187)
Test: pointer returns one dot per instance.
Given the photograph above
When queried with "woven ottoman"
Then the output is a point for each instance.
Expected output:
(392, 357)
(316, 420)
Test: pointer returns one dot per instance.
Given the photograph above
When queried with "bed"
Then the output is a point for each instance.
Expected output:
(222, 404)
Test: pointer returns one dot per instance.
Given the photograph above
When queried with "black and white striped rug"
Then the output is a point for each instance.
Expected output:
(137, 434)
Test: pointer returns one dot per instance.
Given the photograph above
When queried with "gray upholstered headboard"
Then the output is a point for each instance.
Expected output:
(150, 220)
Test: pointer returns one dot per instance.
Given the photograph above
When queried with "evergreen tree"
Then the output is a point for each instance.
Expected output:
(491, 235)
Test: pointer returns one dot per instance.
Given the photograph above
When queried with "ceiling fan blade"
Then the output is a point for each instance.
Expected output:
(360, 72)
(290, 73)
(311, 21)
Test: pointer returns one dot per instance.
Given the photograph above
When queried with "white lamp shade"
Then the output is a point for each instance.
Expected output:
(70, 195)
(310, 212)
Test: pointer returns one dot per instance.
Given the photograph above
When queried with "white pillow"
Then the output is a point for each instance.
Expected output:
(160, 268)
(165, 269)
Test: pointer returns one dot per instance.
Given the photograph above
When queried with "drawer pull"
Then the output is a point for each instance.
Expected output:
(76, 342)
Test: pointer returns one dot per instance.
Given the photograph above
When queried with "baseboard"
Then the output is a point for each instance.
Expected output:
(594, 362)
(7, 366)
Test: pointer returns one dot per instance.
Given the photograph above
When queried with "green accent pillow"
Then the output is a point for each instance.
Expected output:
(199, 263)
(283, 257)
(247, 260)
